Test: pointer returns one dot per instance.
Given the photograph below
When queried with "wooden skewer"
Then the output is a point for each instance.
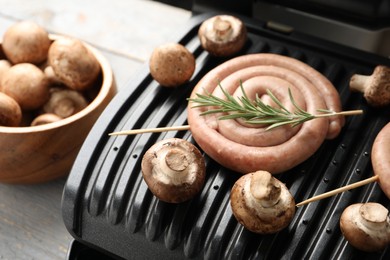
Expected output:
(187, 127)
(312, 199)
(152, 130)
(339, 190)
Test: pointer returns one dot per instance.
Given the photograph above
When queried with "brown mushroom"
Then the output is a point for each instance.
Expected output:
(171, 64)
(4, 66)
(45, 119)
(27, 84)
(50, 75)
(65, 102)
(73, 63)
(366, 226)
(10, 111)
(26, 42)
(174, 170)
(261, 203)
(375, 87)
(222, 35)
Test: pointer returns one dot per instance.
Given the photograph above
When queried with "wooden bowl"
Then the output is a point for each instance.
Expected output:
(35, 154)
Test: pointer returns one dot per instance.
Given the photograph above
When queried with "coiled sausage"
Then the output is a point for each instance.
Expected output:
(244, 148)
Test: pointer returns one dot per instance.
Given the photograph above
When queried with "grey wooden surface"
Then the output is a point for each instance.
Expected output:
(126, 31)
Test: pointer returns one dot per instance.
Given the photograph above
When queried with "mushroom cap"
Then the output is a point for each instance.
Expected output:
(4, 66)
(378, 91)
(10, 111)
(222, 35)
(261, 203)
(366, 226)
(45, 119)
(73, 63)
(26, 41)
(174, 170)
(65, 102)
(27, 84)
(171, 64)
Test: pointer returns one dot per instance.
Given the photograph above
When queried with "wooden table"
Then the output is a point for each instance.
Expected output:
(126, 31)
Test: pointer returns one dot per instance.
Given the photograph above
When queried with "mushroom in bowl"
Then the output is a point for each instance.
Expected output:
(32, 152)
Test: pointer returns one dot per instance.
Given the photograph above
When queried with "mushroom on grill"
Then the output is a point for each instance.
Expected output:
(366, 226)
(261, 203)
(375, 87)
(222, 35)
(174, 170)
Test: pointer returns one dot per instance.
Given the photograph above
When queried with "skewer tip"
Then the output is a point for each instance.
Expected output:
(339, 190)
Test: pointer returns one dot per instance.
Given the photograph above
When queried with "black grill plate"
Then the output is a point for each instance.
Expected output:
(107, 205)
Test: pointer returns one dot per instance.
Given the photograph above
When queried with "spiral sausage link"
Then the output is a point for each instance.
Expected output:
(245, 148)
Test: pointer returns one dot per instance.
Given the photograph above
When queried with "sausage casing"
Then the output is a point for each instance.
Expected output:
(244, 148)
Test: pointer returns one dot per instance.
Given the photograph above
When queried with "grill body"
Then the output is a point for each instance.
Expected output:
(108, 207)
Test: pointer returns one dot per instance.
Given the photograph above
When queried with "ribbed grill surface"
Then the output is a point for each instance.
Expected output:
(107, 204)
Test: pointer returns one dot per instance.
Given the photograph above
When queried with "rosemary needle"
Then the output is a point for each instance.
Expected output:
(257, 112)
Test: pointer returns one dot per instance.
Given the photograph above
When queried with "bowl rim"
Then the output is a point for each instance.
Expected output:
(107, 82)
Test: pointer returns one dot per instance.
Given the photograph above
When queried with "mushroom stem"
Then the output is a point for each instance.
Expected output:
(65, 107)
(223, 28)
(372, 216)
(65, 102)
(265, 189)
(359, 83)
(174, 162)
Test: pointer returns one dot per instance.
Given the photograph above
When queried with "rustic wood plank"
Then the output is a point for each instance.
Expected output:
(31, 225)
(132, 28)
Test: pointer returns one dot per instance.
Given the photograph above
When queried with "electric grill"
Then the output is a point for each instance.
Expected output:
(109, 210)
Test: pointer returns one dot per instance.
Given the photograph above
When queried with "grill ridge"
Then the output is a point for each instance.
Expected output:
(107, 188)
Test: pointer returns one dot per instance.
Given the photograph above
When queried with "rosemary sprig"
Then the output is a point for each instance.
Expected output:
(257, 112)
